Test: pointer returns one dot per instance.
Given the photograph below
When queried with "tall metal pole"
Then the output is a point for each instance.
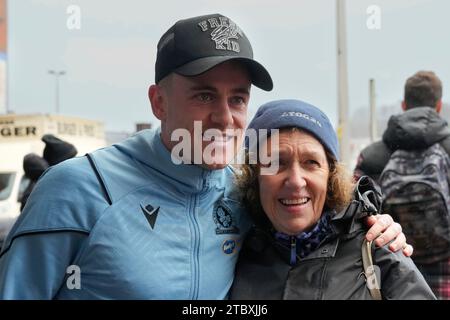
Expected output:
(57, 93)
(8, 110)
(373, 112)
(57, 74)
(342, 79)
(4, 31)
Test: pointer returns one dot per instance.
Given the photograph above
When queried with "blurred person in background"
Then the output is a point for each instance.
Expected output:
(412, 166)
(55, 151)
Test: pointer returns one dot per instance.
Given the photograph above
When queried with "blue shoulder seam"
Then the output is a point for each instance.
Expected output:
(37, 231)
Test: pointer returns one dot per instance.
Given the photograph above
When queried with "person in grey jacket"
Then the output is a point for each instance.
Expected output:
(308, 233)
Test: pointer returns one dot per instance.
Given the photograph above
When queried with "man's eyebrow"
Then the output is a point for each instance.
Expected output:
(202, 88)
(242, 90)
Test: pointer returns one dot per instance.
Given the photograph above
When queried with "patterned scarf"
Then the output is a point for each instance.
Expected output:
(306, 242)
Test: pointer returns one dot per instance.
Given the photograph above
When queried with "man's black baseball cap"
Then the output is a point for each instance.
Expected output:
(193, 46)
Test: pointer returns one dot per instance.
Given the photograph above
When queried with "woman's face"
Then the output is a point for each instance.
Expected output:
(294, 197)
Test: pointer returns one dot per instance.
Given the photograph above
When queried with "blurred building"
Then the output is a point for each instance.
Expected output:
(143, 126)
(113, 137)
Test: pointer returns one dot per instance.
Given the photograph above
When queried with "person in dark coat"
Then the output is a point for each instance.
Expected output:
(418, 127)
(309, 232)
(33, 166)
(55, 151)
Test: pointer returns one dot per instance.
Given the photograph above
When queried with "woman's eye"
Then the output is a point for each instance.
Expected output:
(312, 162)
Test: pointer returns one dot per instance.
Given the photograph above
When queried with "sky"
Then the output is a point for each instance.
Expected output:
(109, 60)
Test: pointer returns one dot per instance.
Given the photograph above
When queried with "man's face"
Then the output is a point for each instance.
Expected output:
(218, 99)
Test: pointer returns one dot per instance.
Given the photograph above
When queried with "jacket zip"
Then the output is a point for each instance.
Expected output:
(196, 252)
(293, 250)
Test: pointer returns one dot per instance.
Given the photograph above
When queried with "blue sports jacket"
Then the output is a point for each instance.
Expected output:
(126, 222)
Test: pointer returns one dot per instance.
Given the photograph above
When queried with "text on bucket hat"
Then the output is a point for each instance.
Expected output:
(295, 113)
(195, 45)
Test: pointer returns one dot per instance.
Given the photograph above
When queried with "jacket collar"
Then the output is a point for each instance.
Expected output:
(366, 202)
(326, 249)
(349, 220)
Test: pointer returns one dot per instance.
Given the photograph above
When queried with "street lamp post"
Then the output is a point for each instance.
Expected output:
(57, 74)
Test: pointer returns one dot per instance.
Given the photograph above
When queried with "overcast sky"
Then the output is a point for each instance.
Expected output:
(110, 60)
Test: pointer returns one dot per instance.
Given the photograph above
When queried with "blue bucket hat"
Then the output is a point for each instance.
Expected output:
(295, 113)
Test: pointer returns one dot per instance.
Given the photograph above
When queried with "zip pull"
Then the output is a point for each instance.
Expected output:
(293, 250)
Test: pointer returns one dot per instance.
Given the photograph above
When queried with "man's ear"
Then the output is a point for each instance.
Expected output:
(403, 105)
(158, 101)
(439, 106)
